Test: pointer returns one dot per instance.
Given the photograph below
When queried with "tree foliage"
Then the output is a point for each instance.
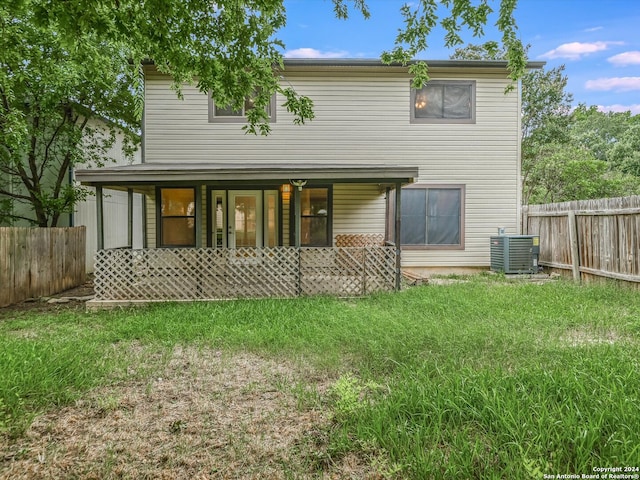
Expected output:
(230, 47)
(50, 95)
(421, 17)
(570, 172)
(566, 153)
(66, 63)
(546, 108)
(592, 154)
(490, 50)
(575, 154)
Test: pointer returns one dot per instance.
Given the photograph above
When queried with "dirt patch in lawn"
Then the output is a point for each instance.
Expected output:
(72, 299)
(204, 415)
(580, 337)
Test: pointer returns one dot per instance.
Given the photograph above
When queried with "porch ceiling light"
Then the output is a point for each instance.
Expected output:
(298, 183)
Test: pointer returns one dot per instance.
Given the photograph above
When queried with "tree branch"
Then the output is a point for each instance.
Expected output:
(66, 163)
(14, 195)
(54, 135)
(20, 217)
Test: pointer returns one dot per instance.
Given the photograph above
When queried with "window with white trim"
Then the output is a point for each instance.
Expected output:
(444, 101)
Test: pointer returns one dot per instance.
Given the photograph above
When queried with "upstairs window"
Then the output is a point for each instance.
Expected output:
(444, 101)
(226, 114)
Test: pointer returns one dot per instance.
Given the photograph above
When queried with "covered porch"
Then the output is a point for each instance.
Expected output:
(222, 231)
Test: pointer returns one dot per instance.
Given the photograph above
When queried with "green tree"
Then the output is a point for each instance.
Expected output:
(230, 47)
(574, 154)
(611, 136)
(50, 99)
(569, 172)
(490, 50)
(624, 155)
(546, 109)
(65, 63)
(568, 155)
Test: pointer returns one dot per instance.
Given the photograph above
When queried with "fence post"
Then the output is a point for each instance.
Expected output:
(573, 241)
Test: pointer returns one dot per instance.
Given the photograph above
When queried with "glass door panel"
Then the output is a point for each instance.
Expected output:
(245, 214)
(271, 218)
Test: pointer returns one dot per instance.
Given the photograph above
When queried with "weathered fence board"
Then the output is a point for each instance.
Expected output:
(589, 237)
(36, 262)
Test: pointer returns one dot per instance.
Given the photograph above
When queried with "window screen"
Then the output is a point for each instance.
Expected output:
(177, 217)
(445, 102)
(432, 216)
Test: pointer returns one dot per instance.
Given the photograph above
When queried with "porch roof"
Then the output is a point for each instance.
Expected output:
(241, 172)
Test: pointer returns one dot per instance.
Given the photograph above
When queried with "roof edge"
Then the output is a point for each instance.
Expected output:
(212, 172)
(375, 62)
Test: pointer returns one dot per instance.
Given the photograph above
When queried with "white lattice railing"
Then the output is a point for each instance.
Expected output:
(207, 273)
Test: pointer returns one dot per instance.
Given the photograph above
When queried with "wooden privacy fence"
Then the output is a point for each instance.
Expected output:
(208, 273)
(589, 237)
(36, 262)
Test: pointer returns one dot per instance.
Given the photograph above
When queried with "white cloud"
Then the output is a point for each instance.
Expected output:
(619, 84)
(575, 50)
(625, 58)
(313, 53)
(634, 109)
(594, 29)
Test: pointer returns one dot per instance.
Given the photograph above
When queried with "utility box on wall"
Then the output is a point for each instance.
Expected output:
(515, 253)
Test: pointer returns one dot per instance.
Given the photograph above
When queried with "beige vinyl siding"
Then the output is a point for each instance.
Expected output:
(358, 208)
(151, 220)
(363, 117)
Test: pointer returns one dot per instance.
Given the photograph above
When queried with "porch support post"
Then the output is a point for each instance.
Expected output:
(297, 218)
(130, 217)
(99, 217)
(397, 239)
(199, 216)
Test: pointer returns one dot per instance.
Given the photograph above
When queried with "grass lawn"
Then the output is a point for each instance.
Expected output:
(481, 378)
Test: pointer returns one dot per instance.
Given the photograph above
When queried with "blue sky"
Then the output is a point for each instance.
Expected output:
(598, 41)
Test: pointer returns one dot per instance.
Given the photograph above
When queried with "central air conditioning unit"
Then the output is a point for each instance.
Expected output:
(515, 253)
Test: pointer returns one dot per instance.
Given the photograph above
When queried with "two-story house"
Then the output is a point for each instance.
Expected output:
(426, 175)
